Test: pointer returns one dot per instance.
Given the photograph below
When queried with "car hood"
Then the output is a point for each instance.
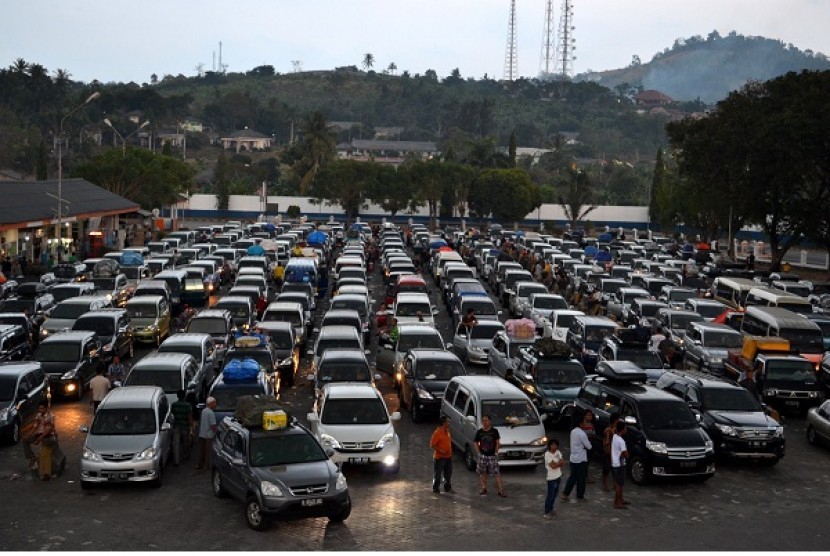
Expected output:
(678, 438)
(566, 393)
(356, 433)
(298, 474)
(433, 386)
(58, 367)
(121, 444)
(742, 418)
(520, 435)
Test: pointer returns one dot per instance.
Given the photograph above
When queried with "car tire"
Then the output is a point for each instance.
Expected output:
(469, 458)
(639, 471)
(417, 416)
(216, 484)
(343, 514)
(812, 437)
(253, 515)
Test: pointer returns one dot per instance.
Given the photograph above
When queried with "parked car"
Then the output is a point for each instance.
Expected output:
(150, 318)
(818, 424)
(425, 374)
(70, 360)
(23, 386)
(201, 347)
(114, 331)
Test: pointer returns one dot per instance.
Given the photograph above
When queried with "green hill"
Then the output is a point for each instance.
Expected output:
(709, 68)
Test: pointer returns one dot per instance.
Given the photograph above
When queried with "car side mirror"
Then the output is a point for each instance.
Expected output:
(367, 352)
(630, 420)
(377, 376)
(309, 377)
(310, 352)
(698, 343)
(435, 311)
(389, 347)
(329, 452)
(166, 427)
(470, 419)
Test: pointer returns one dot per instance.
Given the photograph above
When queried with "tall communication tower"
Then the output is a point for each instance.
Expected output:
(565, 44)
(546, 58)
(511, 58)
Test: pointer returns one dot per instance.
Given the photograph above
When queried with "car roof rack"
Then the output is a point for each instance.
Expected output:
(621, 371)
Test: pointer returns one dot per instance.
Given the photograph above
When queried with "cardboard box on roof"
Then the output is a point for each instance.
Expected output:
(755, 344)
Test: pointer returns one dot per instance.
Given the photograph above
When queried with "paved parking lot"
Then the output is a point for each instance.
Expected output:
(744, 507)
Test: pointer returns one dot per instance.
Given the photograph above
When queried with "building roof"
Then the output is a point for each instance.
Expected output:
(342, 126)
(402, 146)
(246, 134)
(30, 201)
(652, 96)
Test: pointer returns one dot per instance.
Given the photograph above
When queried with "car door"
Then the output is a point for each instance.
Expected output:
(459, 341)
(498, 356)
(693, 342)
(164, 319)
(87, 369)
(124, 335)
(165, 430)
(27, 397)
(230, 448)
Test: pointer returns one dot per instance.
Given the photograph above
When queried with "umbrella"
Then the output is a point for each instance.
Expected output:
(356, 227)
(605, 238)
(438, 243)
(591, 250)
(256, 250)
(317, 237)
(602, 256)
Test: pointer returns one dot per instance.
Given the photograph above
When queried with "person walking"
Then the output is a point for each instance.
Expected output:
(99, 387)
(607, 437)
(619, 455)
(488, 442)
(553, 467)
(46, 435)
(182, 413)
(207, 431)
(579, 463)
(441, 445)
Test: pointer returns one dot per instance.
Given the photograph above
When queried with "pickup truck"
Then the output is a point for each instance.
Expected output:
(786, 381)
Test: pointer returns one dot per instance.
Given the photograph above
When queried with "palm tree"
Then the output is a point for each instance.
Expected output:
(578, 201)
(392, 68)
(20, 66)
(368, 61)
(318, 148)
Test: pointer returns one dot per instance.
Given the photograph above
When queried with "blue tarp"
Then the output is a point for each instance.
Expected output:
(256, 250)
(606, 238)
(131, 258)
(438, 243)
(318, 238)
(602, 257)
(356, 227)
(591, 250)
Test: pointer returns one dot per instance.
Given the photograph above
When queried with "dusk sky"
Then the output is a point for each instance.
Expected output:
(119, 41)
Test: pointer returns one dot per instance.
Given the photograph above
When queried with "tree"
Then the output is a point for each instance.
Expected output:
(317, 148)
(392, 68)
(42, 162)
(150, 179)
(347, 183)
(578, 198)
(511, 150)
(658, 182)
(221, 182)
(508, 194)
(393, 190)
(368, 61)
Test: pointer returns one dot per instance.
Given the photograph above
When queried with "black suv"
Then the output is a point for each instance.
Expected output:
(426, 373)
(664, 438)
(585, 337)
(551, 381)
(70, 360)
(216, 322)
(114, 331)
(259, 348)
(23, 387)
(732, 417)
(633, 344)
(283, 474)
(14, 343)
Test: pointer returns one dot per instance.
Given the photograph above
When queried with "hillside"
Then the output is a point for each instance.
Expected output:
(709, 68)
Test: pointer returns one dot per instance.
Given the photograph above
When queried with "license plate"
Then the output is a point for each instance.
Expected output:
(359, 461)
(514, 454)
(309, 502)
(688, 464)
(792, 403)
(757, 443)
(118, 477)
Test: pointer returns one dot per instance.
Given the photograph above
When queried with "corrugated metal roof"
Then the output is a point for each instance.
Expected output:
(401, 146)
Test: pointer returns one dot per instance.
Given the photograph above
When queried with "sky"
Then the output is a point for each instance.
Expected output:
(116, 41)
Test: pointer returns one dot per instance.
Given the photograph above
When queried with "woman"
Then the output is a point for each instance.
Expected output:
(46, 435)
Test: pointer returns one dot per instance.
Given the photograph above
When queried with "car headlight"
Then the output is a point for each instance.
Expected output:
(270, 489)
(69, 375)
(152, 328)
(476, 349)
(387, 438)
(330, 441)
(710, 446)
(657, 447)
(715, 360)
(287, 361)
(144, 455)
(814, 394)
(779, 432)
(340, 484)
(4, 414)
(726, 429)
(44, 332)
(89, 455)
(423, 394)
(539, 441)
(771, 392)
(107, 347)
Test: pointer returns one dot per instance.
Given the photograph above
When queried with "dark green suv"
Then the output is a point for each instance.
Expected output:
(282, 474)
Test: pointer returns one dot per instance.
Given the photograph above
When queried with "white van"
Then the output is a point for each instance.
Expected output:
(468, 398)
(414, 308)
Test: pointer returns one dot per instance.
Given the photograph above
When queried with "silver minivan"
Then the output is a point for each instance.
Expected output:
(468, 398)
(130, 438)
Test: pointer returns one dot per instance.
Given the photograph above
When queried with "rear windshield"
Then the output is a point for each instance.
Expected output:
(337, 343)
(170, 381)
(722, 340)
(124, 421)
(424, 341)
(282, 316)
(412, 309)
(69, 311)
(485, 331)
(193, 350)
(227, 396)
(439, 370)
(484, 307)
(549, 303)
(344, 371)
(208, 326)
(559, 373)
(101, 326)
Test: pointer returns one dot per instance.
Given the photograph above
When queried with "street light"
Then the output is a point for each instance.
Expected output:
(89, 99)
(124, 139)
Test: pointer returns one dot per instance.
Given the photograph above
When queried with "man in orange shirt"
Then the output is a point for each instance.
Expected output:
(442, 456)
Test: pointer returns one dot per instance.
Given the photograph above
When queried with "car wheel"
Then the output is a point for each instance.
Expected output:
(812, 437)
(216, 482)
(639, 471)
(343, 514)
(469, 458)
(417, 417)
(253, 515)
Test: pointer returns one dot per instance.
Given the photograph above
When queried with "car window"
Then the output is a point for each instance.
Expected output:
(612, 402)
(362, 411)
(461, 400)
(451, 390)
(471, 409)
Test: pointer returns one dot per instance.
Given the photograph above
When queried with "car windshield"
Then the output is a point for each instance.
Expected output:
(283, 316)
(414, 341)
(142, 310)
(438, 370)
(412, 309)
(650, 309)
(354, 304)
(288, 449)
(559, 373)
(17, 306)
(294, 298)
(800, 308)
(237, 311)
(564, 321)
(126, 421)
(803, 340)
(709, 311)
(510, 413)
(133, 272)
(194, 350)
(485, 330)
(69, 311)
(100, 325)
(169, 380)
(64, 271)
(54, 352)
(550, 303)
(666, 414)
(226, 396)
(344, 371)
(680, 322)
(642, 358)
(594, 335)
(337, 343)
(795, 370)
(722, 340)
(208, 326)
(104, 284)
(729, 399)
(681, 295)
(485, 307)
(61, 293)
(7, 386)
(280, 339)
(359, 411)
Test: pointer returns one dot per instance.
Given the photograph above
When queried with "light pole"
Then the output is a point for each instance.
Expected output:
(124, 139)
(89, 99)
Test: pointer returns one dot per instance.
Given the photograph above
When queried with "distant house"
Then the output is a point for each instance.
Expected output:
(192, 125)
(246, 140)
(175, 138)
(387, 152)
(652, 99)
(388, 132)
(338, 127)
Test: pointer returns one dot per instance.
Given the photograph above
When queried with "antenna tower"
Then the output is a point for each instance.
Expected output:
(546, 58)
(565, 45)
(511, 62)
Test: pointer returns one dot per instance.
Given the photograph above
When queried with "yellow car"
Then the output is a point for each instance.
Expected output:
(150, 316)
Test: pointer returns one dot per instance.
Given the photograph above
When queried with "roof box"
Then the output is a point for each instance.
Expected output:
(624, 371)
